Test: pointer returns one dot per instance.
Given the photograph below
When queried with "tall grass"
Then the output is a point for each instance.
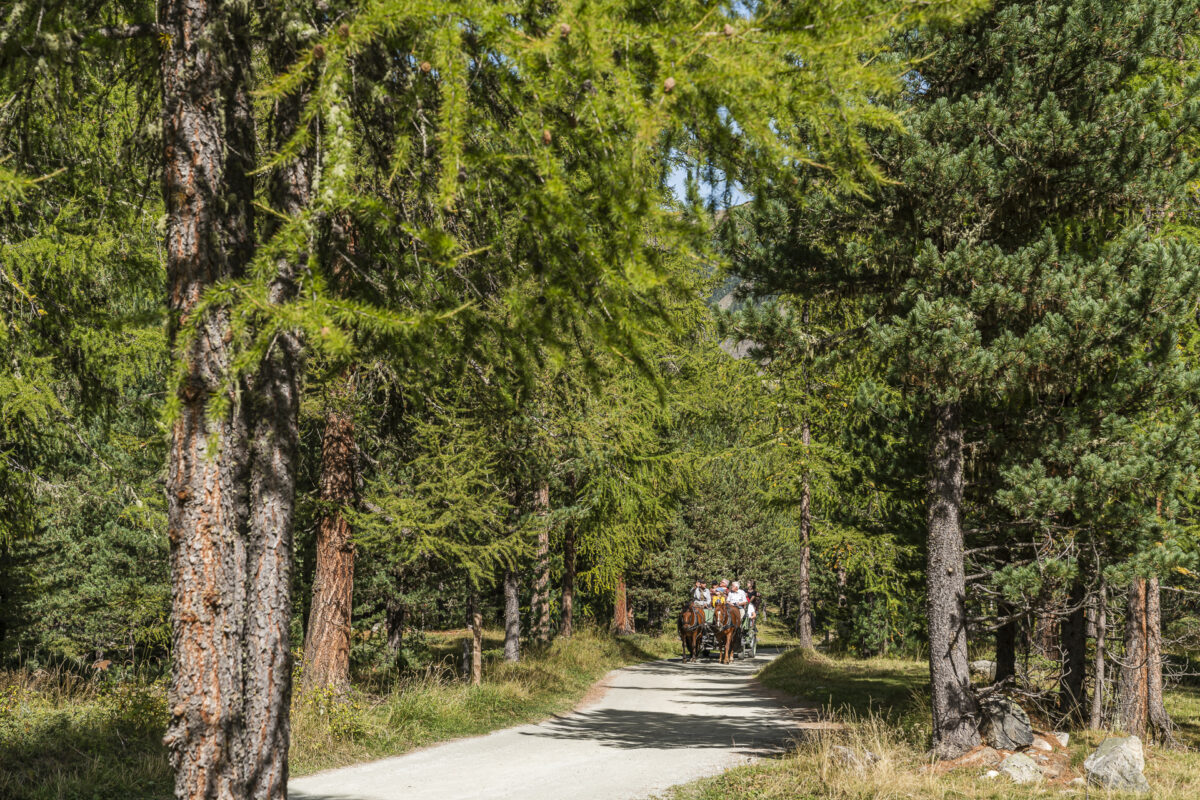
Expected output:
(62, 736)
(884, 705)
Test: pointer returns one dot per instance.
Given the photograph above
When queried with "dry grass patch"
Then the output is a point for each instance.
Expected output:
(884, 704)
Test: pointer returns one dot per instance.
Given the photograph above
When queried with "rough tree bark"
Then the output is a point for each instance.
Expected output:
(1132, 714)
(327, 641)
(1140, 708)
(540, 607)
(804, 622)
(566, 627)
(622, 619)
(1072, 695)
(209, 145)
(1158, 722)
(955, 708)
(273, 397)
(476, 613)
(1100, 623)
(512, 615)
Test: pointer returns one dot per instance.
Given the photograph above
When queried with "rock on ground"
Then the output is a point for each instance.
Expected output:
(1117, 764)
(850, 757)
(1020, 768)
(1007, 726)
(987, 669)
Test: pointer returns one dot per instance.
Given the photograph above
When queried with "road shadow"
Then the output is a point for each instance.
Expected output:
(636, 729)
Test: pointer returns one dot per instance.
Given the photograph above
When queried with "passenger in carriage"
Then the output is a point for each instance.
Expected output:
(738, 598)
(753, 600)
(720, 592)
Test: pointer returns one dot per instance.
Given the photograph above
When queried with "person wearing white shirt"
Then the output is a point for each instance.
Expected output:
(738, 598)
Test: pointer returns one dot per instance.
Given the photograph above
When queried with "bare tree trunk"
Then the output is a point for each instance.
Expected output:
(1006, 643)
(476, 639)
(1096, 718)
(273, 396)
(395, 626)
(622, 619)
(512, 616)
(567, 628)
(1159, 722)
(540, 607)
(209, 146)
(1072, 694)
(804, 622)
(327, 642)
(1132, 714)
(955, 709)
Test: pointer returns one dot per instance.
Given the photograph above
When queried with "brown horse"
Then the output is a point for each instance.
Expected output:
(691, 630)
(727, 627)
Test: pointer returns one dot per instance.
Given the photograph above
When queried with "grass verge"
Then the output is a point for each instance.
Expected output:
(65, 738)
(885, 705)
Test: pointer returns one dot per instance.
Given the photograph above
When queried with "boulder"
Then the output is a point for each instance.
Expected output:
(1006, 725)
(1117, 764)
(981, 756)
(986, 669)
(1062, 738)
(1020, 768)
(1041, 744)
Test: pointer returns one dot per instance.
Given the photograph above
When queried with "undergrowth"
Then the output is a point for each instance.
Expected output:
(884, 706)
(64, 737)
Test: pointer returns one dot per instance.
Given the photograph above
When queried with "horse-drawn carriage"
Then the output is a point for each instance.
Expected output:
(722, 630)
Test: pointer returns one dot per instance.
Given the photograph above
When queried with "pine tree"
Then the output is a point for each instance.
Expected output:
(1031, 283)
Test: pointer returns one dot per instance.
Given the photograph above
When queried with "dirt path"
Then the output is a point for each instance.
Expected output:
(657, 725)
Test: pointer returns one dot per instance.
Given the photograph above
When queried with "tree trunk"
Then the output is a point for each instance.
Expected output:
(395, 626)
(540, 607)
(327, 642)
(1096, 718)
(804, 622)
(476, 639)
(1072, 695)
(567, 626)
(1006, 643)
(622, 619)
(217, 683)
(955, 709)
(1132, 713)
(512, 616)
(1158, 722)
(1140, 709)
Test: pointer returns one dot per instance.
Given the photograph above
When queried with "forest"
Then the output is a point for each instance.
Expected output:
(363, 353)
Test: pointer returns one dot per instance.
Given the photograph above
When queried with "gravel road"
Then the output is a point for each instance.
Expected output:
(656, 725)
